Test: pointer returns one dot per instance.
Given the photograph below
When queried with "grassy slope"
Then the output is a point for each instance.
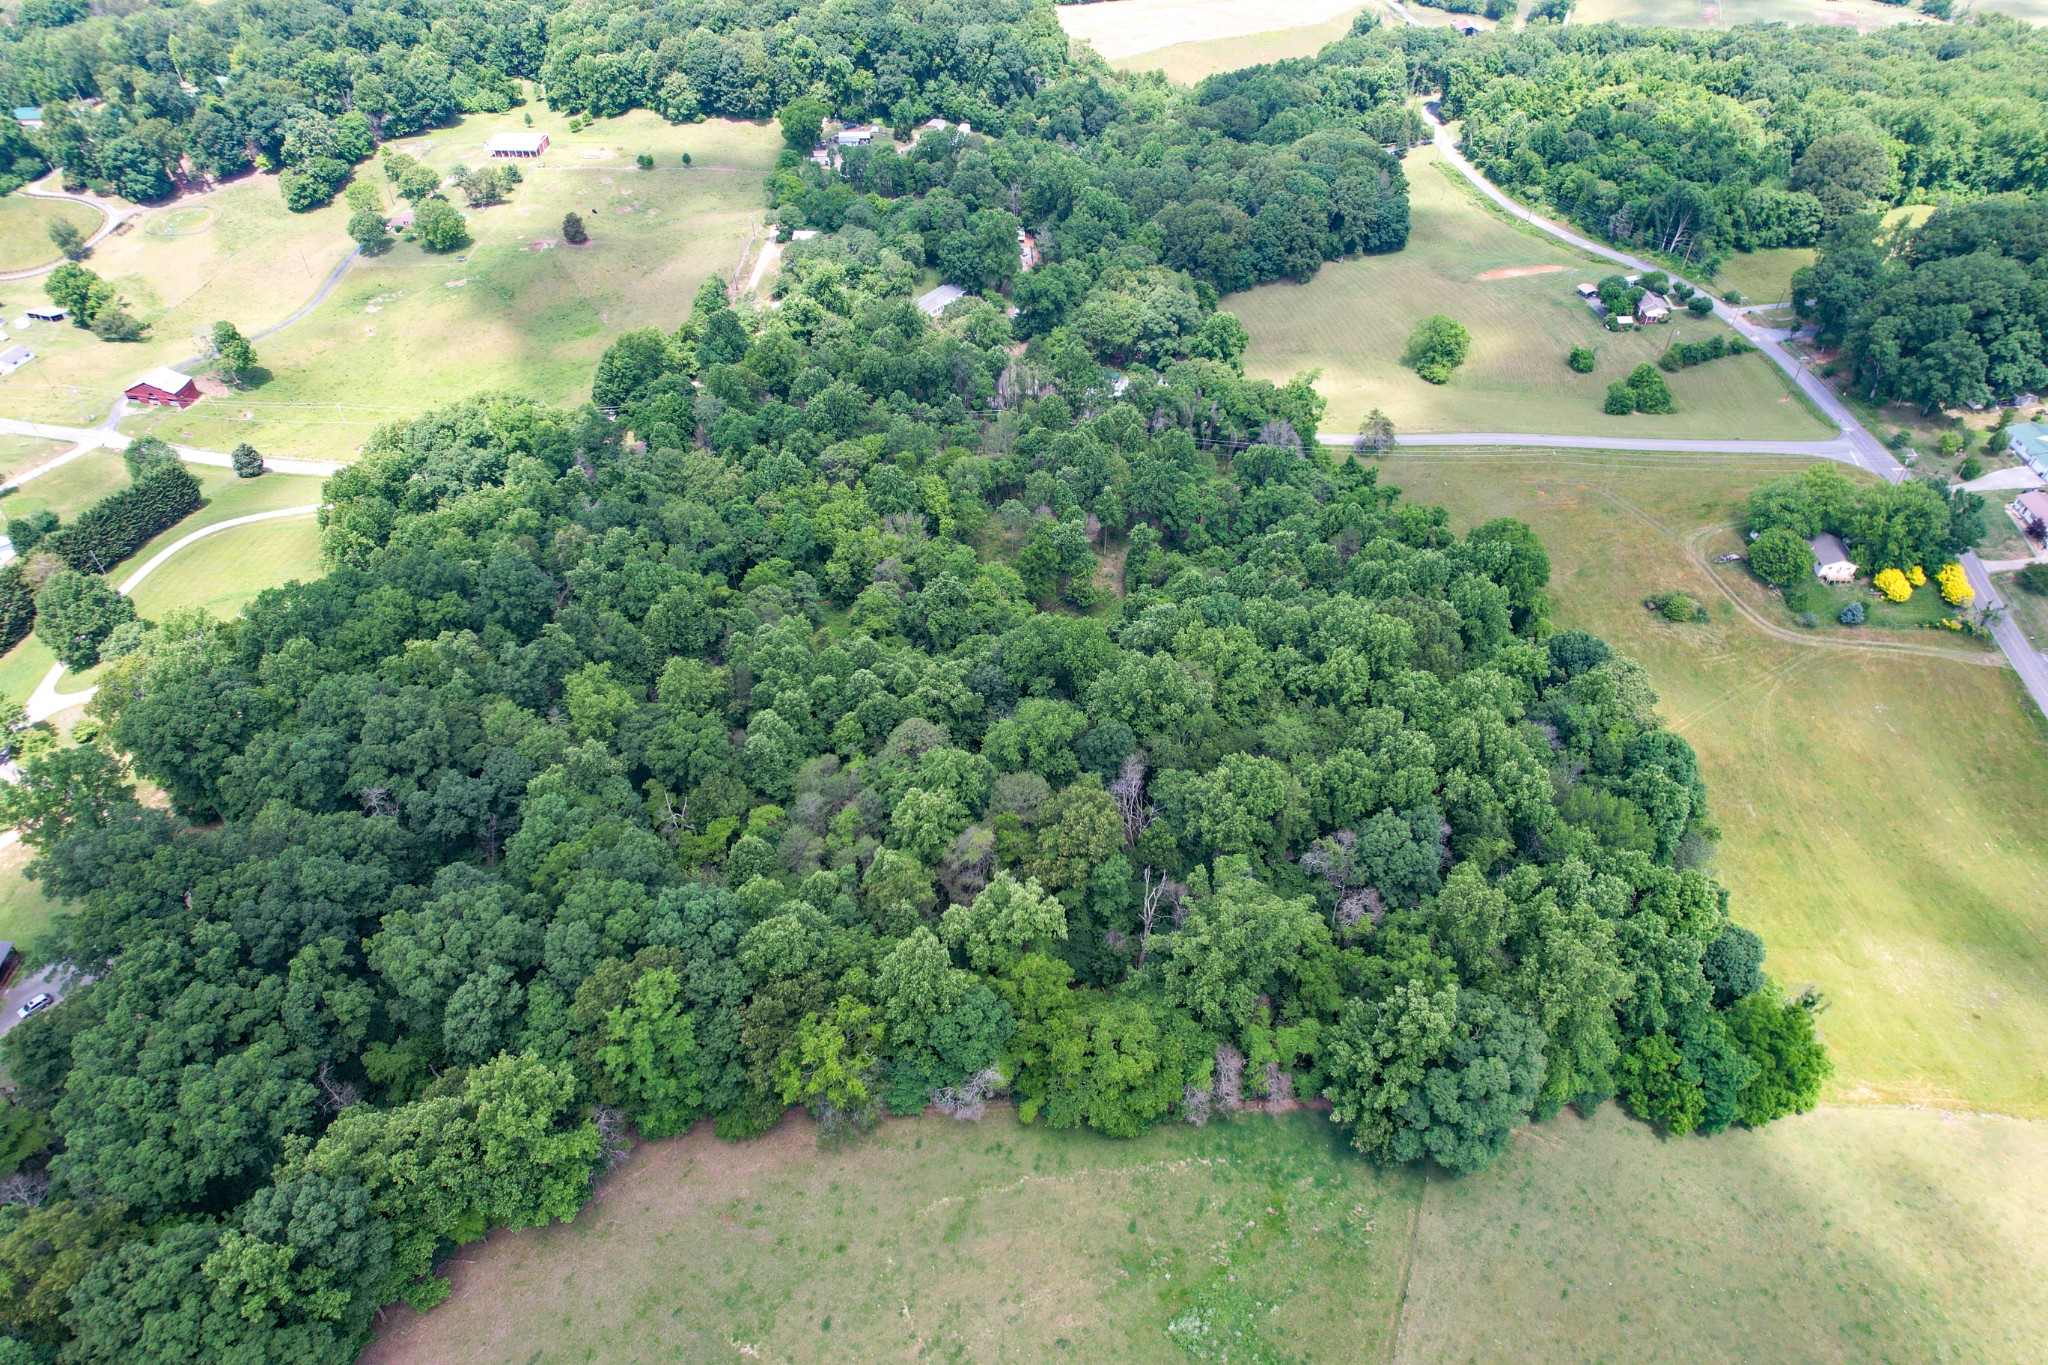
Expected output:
(1881, 811)
(1132, 27)
(932, 1239)
(407, 331)
(23, 452)
(70, 488)
(1850, 1234)
(1354, 318)
(25, 237)
(1189, 62)
(224, 571)
(244, 258)
(1763, 276)
(1863, 15)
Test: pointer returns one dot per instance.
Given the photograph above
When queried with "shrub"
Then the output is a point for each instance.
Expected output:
(1685, 354)
(248, 464)
(1969, 469)
(1581, 359)
(1437, 346)
(1621, 399)
(573, 231)
(1808, 619)
(1955, 585)
(1781, 557)
(1680, 607)
(117, 324)
(1917, 576)
(1699, 305)
(1893, 585)
(1652, 394)
(1951, 442)
(1852, 615)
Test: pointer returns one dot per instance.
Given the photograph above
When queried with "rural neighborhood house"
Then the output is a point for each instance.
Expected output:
(1831, 560)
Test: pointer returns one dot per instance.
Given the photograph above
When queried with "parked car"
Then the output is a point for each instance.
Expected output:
(34, 1003)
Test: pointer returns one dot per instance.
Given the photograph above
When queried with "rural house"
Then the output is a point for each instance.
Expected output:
(1653, 308)
(164, 387)
(2029, 509)
(517, 144)
(13, 358)
(2030, 442)
(1831, 562)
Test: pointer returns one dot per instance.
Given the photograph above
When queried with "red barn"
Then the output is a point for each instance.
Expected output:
(164, 387)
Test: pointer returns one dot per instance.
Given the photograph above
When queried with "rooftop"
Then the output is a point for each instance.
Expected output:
(1829, 549)
(516, 142)
(936, 302)
(16, 355)
(165, 378)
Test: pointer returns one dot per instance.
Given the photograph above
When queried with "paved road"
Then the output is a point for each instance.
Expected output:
(57, 979)
(1855, 445)
(104, 436)
(47, 701)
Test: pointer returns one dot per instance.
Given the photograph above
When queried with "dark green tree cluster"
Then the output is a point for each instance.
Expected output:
(1643, 391)
(862, 719)
(1683, 355)
(1700, 143)
(1951, 314)
(1885, 526)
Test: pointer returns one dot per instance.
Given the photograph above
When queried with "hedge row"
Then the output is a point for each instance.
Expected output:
(17, 605)
(163, 494)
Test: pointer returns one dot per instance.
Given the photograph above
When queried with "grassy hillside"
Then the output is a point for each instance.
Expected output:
(1188, 62)
(518, 310)
(1513, 289)
(1881, 810)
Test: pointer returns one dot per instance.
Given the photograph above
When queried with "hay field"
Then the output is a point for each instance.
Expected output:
(1119, 29)
(1189, 62)
(1353, 318)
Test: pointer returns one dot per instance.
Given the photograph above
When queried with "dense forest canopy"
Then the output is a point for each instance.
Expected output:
(1701, 143)
(868, 718)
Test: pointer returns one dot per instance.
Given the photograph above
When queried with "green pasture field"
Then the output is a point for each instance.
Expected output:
(1130, 28)
(25, 452)
(1353, 319)
(1762, 276)
(1189, 62)
(25, 230)
(249, 261)
(24, 910)
(70, 488)
(225, 570)
(518, 311)
(226, 497)
(1853, 1233)
(1880, 794)
(931, 1239)
(1849, 1234)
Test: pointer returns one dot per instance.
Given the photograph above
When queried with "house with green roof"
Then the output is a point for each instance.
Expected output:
(2030, 443)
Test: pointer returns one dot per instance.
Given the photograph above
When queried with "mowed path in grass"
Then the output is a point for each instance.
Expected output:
(518, 311)
(1353, 318)
(1881, 812)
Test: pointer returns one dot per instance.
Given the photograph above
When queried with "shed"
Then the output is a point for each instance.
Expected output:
(2029, 509)
(2030, 442)
(46, 312)
(14, 357)
(1831, 563)
(939, 299)
(1469, 29)
(1589, 291)
(516, 144)
(1653, 308)
(858, 136)
(164, 387)
(29, 115)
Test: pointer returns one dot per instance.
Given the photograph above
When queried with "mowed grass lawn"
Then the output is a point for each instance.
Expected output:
(24, 452)
(1762, 276)
(1130, 27)
(25, 234)
(1881, 812)
(234, 253)
(518, 311)
(221, 573)
(1848, 1234)
(1262, 1239)
(1188, 62)
(1353, 318)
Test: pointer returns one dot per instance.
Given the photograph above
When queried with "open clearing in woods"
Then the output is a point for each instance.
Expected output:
(1189, 62)
(1353, 318)
(1847, 1234)
(1126, 28)
(1881, 812)
(518, 311)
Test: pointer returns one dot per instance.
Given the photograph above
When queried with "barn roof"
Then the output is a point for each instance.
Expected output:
(165, 378)
(516, 142)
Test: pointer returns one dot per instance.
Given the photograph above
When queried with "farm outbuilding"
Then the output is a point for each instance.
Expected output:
(939, 299)
(517, 144)
(45, 312)
(164, 387)
(13, 358)
(855, 137)
(1831, 563)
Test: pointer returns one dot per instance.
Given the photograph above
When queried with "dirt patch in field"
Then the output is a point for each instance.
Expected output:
(1516, 272)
